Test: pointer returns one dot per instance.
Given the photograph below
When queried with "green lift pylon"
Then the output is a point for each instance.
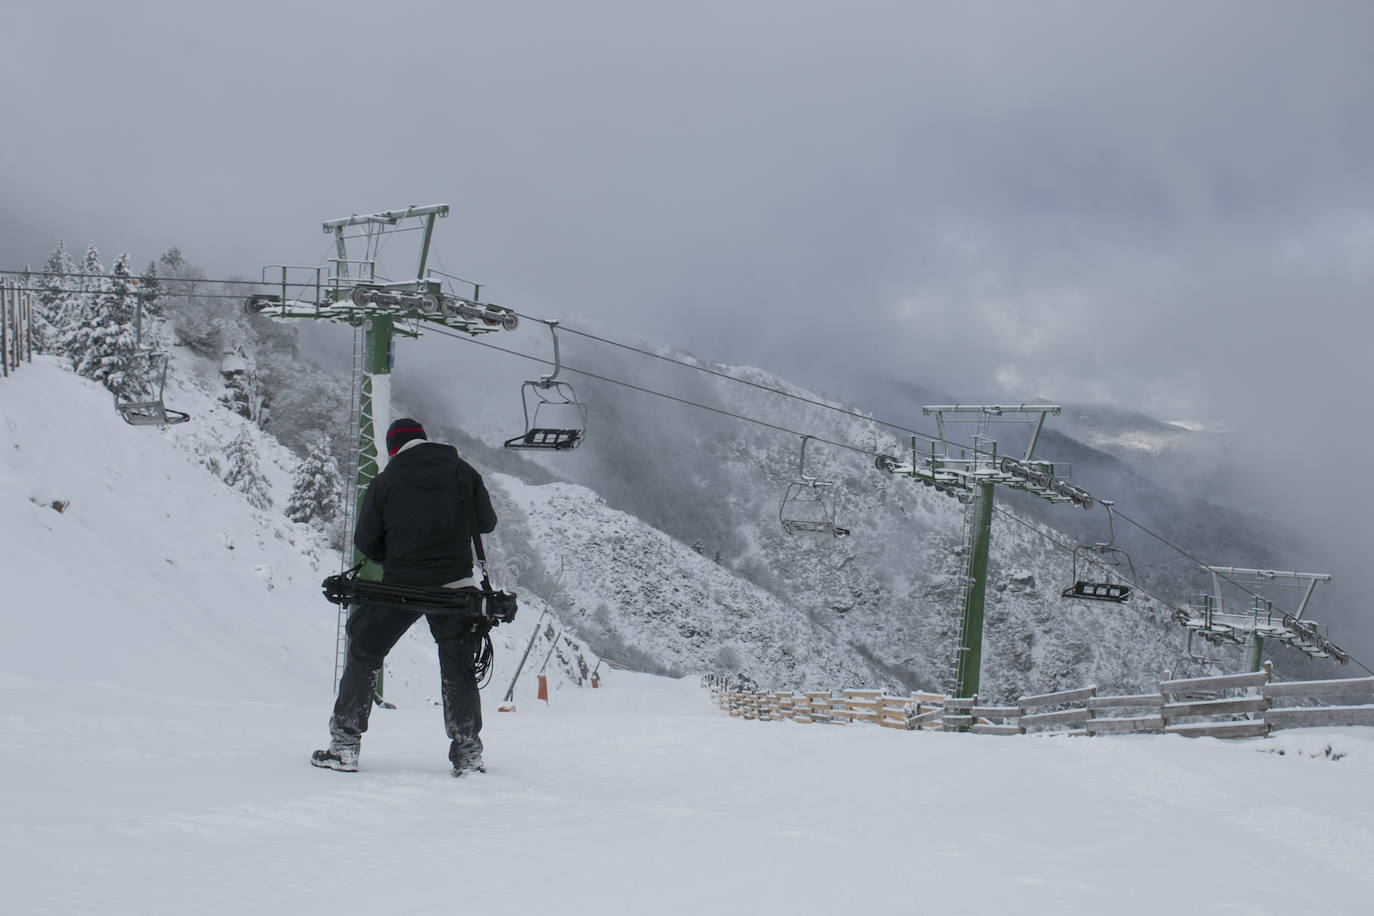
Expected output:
(971, 474)
(348, 288)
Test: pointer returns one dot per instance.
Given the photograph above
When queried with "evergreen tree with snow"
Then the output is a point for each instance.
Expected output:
(315, 490)
(242, 473)
(104, 346)
(56, 300)
(91, 277)
(150, 291)
(87, 282)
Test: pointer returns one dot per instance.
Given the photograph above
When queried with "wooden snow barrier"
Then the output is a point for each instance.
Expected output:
(1229, 706)
(1277, 717)
(1063, 712)
(1116, 715)
(1210, 707)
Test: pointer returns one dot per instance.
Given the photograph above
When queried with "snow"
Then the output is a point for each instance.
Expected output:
(167, 668)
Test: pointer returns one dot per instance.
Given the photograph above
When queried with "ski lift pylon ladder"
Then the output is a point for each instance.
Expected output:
(808, 504)
(961, 647)
(554, 419)
(352, 493)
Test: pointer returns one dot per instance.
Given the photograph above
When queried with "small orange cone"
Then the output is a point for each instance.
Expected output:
(543, 688)
(506, 707)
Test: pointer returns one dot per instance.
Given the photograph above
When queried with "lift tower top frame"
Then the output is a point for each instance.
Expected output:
(1211, 619)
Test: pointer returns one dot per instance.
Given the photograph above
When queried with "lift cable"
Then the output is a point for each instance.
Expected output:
(587, 334)
(810, 401)
(733, 378)
(1146, 592)
(158, 277)
(643, 390)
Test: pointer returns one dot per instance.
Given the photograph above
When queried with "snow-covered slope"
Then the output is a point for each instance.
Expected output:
(155, 575)
(166, 670)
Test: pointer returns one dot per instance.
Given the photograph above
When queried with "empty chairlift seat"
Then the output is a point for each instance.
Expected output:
(554, 419)
(152, 411)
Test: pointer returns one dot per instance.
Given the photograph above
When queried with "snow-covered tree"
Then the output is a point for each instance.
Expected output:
(315, 489)
(91, 277)
(150, 291)
(87, 282)
(196, 317)
(242, 472)
(104, 345)
(57, 288)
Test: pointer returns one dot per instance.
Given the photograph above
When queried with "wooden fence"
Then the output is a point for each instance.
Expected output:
(1232, 706)
(16, 323)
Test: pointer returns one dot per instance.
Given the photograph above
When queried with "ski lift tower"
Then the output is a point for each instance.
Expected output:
(1250, 627)
(971, 474)
(350, 288)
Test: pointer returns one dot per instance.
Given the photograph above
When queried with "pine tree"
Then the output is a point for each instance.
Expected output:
(150, 291)
(91, 277)
(87, 284)
(242, 472)
(315, 490)
(56, 299)
(104, 346)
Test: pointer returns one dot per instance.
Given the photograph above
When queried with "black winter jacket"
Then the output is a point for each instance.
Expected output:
(415, 516)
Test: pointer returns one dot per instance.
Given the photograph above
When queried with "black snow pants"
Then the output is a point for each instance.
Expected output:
(372, 632)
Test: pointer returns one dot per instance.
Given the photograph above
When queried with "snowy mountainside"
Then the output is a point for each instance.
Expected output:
(879, 606)
(1125, 433)
(646, 597)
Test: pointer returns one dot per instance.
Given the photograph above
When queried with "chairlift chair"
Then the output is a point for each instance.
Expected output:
(1112, 588)
(152, 412)
(808, 504)
(1195, 663)
(554, 418)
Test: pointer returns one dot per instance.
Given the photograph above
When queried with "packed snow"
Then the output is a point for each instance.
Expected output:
(167, 669)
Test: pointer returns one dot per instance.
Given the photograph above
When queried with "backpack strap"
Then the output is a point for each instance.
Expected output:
(470, 505)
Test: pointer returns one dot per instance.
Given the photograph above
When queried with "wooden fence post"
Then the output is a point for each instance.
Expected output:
(5, 327)
(28, 325)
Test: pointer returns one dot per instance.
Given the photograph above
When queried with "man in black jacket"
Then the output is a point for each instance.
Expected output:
(417, 520)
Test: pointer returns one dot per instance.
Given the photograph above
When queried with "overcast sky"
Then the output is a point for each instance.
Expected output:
(1163, 205)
